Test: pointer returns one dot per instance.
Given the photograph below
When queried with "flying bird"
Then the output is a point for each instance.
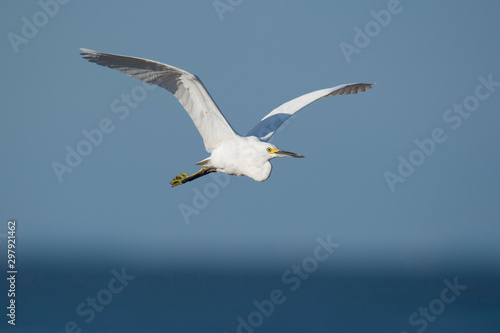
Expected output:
(231, 153)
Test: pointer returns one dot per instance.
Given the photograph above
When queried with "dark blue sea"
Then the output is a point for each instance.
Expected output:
(106, 298)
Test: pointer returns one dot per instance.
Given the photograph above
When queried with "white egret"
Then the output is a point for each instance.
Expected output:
(231, 153)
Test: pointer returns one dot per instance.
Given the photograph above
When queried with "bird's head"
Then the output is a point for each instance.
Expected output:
(274, 151)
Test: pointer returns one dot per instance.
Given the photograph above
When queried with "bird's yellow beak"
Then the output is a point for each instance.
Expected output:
(283, 153)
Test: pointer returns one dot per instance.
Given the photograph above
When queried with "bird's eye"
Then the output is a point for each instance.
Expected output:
(269, 149)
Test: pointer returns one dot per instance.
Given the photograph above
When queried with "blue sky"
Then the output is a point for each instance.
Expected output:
(117, 203)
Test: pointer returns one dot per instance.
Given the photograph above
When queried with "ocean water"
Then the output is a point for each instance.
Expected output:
(67, 298)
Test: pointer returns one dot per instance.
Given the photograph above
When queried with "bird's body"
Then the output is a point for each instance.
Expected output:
(242, 156)
(231, 153)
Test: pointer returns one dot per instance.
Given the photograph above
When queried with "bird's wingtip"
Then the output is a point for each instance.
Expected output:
(84, 50)
(368, 85)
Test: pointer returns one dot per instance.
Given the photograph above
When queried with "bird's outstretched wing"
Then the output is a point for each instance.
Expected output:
(270, 123)
(186, 87)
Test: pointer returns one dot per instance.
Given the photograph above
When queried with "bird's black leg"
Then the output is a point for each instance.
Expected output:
(184, 177)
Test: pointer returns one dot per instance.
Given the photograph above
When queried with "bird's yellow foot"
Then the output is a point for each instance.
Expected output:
(178, 179)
